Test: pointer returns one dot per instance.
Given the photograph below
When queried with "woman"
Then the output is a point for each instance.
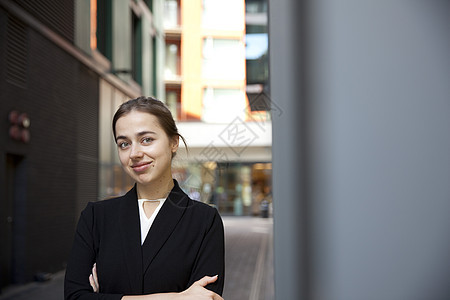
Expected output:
(154, 242)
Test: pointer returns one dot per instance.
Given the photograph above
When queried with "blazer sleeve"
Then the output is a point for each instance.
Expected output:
(210, 259)
(82, 258)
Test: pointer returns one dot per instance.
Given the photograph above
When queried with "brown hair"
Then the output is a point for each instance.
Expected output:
(154, 107)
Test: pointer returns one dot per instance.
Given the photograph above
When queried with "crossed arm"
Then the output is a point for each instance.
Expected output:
(196, 291)
(209, 259)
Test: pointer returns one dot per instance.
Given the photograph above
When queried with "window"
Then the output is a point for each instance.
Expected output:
(256, 53)
(136, 45)
(256, 6)
(223, 105)
(171, 14)
(173, 101)
(172, 67)
(223, 15)
(104, 28)
(223, 59)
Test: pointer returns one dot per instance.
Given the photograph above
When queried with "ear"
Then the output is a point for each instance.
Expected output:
(174, 143)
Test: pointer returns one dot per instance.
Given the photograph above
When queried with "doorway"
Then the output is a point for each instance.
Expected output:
(14, 221)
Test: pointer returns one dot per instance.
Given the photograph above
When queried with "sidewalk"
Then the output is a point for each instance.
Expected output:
(49, 290)
(248, 259)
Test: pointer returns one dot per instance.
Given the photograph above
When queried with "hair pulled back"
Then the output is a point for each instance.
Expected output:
(152, 106)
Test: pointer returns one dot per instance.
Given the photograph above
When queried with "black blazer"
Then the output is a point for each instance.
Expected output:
(185, 243)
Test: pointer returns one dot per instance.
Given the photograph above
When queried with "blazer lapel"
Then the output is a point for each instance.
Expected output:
(164, 224)
(131, 237)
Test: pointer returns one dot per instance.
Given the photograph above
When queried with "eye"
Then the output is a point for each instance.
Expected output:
(147, 140)
(123, 145)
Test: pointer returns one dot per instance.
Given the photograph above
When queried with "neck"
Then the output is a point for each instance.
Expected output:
(152, 192)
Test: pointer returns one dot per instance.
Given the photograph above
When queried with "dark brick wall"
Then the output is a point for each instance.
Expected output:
(61, 98)
(58, 15)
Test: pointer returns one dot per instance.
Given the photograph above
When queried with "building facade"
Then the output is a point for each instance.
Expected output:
(228, 133)
(65, 66)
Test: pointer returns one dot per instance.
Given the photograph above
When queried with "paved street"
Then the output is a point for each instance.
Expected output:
(50, 290)
(249, 259)
(249, 265)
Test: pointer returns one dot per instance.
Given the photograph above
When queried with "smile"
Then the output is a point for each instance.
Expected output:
(141, 167)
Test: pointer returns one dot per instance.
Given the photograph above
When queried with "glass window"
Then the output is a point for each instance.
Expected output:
(223, 105)
(173, 101)
(223, 59)
(136, 45)
(256, 6)
(256, 53)
(171, 13)
(104, 28)
(257, 66)
(223, 15)
(172, 67)
(149, 4)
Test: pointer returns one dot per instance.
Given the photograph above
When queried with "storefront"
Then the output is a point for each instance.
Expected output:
(234, 188)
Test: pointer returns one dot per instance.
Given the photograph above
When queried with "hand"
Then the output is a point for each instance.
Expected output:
(93, 279)
(197, 290)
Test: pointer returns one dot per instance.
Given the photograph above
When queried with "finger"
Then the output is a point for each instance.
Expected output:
(94, 275)
(92, 283)
(207, 280)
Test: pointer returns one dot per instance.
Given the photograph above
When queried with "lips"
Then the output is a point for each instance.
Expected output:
(141, 167)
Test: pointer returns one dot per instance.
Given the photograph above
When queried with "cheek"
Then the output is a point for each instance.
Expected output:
(123, 157)
(161, 150)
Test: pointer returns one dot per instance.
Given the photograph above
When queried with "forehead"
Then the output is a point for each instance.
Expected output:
(137, 121)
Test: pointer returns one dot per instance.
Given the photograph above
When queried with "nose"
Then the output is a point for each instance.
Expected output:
(136, 152)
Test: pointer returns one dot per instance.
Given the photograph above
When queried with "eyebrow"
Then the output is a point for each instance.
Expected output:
(138, 134)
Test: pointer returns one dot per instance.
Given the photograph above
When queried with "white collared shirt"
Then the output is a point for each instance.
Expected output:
(146, 223)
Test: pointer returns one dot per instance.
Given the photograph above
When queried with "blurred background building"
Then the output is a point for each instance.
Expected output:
(67, 65)
(221, 104)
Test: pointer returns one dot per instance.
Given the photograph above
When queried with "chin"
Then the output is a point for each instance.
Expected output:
(144, 181)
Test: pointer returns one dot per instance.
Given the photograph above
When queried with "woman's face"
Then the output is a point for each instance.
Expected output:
(145, 150)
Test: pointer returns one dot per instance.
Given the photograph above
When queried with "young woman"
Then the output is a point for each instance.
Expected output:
(154, 242)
